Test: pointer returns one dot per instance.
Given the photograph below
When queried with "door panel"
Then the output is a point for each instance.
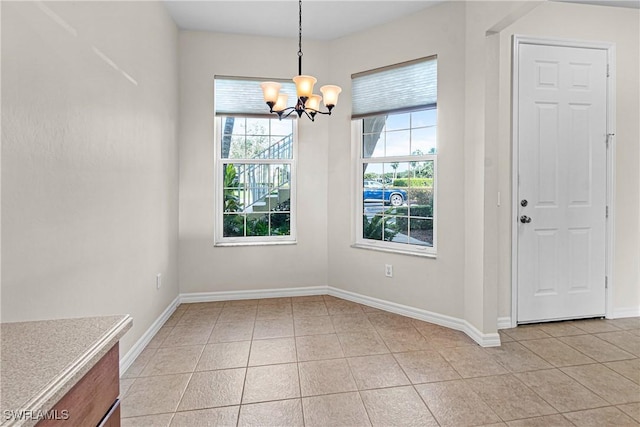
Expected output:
(562, 175)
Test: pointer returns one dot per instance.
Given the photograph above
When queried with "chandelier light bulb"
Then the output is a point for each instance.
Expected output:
(281, 103)
(304, 85)
(270, 91)
(330, 94)
(313, 103)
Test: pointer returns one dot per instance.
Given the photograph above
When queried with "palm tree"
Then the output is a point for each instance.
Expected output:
(394, 166)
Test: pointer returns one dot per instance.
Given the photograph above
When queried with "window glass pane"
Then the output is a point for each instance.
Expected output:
(372, 226)
(372, 172)
(372, 183)
(233, 200)
(239, 125)
(421, 231)
(373, 145)
(397, 143)
(280, 175)
(396, 229)
(233, 225)
(424, 118)
(257, 224)
(398, 122)
(281, 147)
(280, 128)
(233, 147)
(373, 124)
(423, 141)
(396, 174)
(279, 180)
(257, 146)
(233, 194)
(280, 224)
(232, 175)
(422, 173)
(258, 126)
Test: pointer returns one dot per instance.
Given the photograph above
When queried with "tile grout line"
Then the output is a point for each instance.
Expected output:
(437, 350)
(246, 369)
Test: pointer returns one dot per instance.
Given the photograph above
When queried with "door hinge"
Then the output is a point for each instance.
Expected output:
(606, 282)
(606, 212)
(607, 70)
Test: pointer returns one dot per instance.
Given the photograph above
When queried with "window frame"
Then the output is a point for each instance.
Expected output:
(219, 238)
(358, 206)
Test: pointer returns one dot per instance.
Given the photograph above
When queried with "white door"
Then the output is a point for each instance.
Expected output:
(561, 136)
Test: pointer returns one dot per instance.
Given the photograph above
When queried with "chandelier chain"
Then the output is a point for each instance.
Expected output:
(299, 37)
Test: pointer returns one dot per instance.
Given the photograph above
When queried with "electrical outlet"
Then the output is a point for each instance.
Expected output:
(158, 281)
(388, 270)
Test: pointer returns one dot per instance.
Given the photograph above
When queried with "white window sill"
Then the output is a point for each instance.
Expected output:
(411, 252)
(256, 243)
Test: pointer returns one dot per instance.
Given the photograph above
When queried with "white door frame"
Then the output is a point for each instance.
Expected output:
(610, 161)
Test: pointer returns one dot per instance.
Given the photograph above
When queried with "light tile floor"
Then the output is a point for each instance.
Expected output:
(323, 361)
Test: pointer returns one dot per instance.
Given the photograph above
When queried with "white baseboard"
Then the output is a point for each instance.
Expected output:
(626, 312)
(264, 293)
(618, 313)
(485, 340)
(504, 322)
(137, 348)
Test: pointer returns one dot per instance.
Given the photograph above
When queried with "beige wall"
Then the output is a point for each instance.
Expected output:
(432, 284)
(89, 161)
(203, 267)
(471, 277)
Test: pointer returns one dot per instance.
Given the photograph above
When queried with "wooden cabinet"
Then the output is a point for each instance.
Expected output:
(93, 400)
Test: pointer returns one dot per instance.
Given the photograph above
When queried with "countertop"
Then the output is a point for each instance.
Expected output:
(41, 361)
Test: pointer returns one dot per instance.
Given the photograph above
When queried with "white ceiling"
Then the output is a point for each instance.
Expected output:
(321, 19)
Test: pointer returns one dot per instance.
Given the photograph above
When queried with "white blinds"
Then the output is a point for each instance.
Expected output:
(240, 96)
(402, 87)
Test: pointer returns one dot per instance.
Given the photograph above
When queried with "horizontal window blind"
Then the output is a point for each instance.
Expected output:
(407, 86)
(241, 96)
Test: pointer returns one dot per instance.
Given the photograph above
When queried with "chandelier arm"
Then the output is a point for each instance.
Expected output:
(271, 110)
(284, 116)
(309, 116)
(311, 110)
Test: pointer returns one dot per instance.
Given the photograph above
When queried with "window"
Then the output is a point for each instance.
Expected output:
(397, 161)
(255, 170)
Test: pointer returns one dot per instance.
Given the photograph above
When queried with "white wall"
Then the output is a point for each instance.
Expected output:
(203, 267)
(89, 161)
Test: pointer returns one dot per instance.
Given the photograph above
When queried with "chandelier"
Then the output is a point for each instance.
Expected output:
(307, 103)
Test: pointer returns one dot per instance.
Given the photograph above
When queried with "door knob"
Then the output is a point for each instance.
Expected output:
(524, 203)
(525, 219)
